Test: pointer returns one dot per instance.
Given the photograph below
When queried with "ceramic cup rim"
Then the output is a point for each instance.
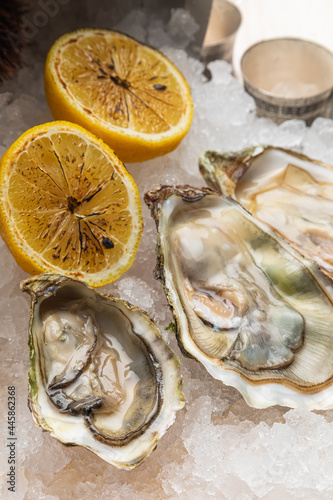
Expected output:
(270, 96)
(225, 39)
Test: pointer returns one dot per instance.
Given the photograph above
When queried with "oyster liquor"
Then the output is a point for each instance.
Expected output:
(11, 440)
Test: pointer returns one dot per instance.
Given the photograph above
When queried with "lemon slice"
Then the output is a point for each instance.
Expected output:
(68, 205)
(127, 93)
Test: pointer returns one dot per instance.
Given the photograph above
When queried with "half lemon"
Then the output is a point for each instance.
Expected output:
(126, 93)
(68, 205)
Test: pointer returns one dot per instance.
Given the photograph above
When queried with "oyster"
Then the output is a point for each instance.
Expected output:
(250, 308)
(289, 192)
(101, 375)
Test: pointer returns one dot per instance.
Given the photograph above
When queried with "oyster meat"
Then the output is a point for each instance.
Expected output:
(254, 311)
(289, 192)
(101, 375)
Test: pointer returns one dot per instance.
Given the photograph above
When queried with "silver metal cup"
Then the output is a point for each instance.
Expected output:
(224, 21)
(288, 78)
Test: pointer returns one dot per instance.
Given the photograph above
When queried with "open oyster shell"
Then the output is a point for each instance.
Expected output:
(248, 306)
(101, 375)
(289, 192)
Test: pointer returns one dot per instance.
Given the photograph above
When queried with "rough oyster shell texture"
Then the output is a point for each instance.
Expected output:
(101, 375)
(250, 308)
(287, 191)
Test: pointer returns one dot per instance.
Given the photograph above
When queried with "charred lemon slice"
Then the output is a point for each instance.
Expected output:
(68, 205)
(127, 93)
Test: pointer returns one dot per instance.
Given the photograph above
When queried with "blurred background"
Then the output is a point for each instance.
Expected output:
(260, 19)
(263, 19)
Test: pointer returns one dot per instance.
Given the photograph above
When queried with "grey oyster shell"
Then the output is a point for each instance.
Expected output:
(289, 192)
(101, 375)
(250, 308)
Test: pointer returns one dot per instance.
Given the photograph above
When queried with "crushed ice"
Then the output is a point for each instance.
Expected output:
(218, 446)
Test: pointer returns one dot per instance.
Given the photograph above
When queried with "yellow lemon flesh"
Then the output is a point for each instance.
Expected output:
(128, 94)
(68, 205)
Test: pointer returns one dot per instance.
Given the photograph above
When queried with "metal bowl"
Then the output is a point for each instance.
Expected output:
(288, 78)
(224, 21)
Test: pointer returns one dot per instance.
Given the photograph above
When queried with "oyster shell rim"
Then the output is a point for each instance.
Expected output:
(223, 171)
(236, 163)
(258, 393)
(173, 398)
